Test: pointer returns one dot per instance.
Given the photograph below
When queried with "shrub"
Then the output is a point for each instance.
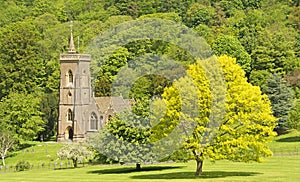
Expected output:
(22, 166)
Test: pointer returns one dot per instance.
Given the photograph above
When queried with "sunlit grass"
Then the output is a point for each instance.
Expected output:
(274, 169)
(287, 144)
(283, 166)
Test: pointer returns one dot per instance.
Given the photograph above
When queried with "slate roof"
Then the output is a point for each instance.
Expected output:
(117, 104)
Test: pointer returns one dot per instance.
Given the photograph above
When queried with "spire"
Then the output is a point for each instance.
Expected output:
(72, 46)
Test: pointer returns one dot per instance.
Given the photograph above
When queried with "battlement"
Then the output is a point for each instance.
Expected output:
(75, 57)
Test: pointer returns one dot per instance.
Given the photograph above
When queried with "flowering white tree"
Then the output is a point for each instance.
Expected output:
(75, 152)
(7, 142)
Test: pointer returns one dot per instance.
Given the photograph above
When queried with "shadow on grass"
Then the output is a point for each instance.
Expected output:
(191, 175)
(25, 146)
(131, 170)
(289, 139)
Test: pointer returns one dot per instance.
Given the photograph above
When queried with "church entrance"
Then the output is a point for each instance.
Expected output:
(69, 133)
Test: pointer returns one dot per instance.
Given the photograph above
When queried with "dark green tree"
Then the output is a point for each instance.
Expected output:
(280, 96)
(109, 70)
(199, 14)
(49, 106)
(22, 66)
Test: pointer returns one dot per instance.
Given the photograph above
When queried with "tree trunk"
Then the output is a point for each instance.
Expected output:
(199, 167)
(3, 162)
(75, 163)
(138, 166)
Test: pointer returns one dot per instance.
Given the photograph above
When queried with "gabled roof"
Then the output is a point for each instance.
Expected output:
(117, 104)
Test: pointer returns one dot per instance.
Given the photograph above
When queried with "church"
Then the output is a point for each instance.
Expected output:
(80, 113)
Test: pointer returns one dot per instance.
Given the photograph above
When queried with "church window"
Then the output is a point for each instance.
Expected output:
(93, 122)
(101, 120)
(70, 76)
(70, 115)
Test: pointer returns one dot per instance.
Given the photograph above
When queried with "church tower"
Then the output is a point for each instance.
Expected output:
(75, 94)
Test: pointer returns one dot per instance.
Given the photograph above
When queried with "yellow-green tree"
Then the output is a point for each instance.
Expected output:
(247, 124)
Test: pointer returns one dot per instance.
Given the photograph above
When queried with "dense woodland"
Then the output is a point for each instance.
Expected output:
(263, 36)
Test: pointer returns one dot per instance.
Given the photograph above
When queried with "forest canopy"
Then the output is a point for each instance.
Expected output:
(263, 36)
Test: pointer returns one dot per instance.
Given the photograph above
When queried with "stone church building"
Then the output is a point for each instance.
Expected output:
(80, 113)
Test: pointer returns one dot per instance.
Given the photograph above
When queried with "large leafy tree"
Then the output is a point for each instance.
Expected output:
(247, 125)
(109, 70)
(199, 14)
(20, 113)
(275, 51)
(22, 67)
(126, 139)
(231, 46)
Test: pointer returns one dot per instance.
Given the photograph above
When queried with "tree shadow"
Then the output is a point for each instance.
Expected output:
(132, 170)
(25, 146)
(289, 139)
(191, 175)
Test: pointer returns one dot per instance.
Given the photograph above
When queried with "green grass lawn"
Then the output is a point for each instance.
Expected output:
(283, 166)
(274, 169)
(287, 144)
(36, 153)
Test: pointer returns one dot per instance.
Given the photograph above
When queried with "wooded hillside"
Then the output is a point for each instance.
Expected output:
(263, 36)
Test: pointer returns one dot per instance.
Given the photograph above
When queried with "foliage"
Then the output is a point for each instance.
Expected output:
(280, 96)
(275, 51)
(109, 70)
(34, 33)
(259, 78)
(49, 104)
(20, 114)
(22, 66)
(199, 14)
(229, 45)
(293, 120)
(77, 152)
(248, 123)
(167, 16)
(126, 139)
(22, 166)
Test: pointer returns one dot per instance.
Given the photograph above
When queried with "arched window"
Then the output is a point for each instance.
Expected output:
(93, 122)
(101, 120)
(70, 76)
(70, 115)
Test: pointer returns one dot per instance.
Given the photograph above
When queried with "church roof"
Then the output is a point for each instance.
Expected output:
(117, 104)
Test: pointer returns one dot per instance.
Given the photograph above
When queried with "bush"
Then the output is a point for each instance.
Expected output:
(22, 166)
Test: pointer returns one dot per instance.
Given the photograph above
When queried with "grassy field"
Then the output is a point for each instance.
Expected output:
(283, 166)
(274, 169)
(287, 144)
(35, 153)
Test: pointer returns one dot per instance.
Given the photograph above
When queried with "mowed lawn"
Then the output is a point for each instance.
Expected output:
(274, 169)
(283, 166)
